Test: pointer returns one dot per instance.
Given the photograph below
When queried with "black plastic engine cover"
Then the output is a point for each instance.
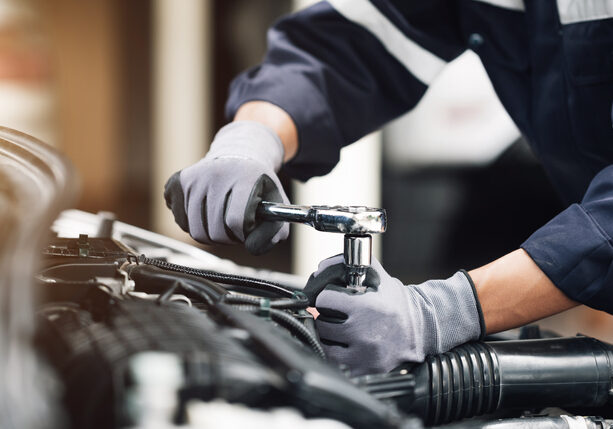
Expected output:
(225, 353)
(93, 357)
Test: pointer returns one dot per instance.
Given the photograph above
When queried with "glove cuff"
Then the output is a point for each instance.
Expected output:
(451, 313)
(248, 140)
(478, 304)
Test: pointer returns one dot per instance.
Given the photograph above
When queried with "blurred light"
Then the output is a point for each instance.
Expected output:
(459, 121)
(182, 108)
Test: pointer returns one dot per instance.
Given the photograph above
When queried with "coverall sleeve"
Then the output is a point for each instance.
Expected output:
(575, 250)
(343, 68)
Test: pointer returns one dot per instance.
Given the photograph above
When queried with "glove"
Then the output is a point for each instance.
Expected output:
(377, 330)
(215, 200)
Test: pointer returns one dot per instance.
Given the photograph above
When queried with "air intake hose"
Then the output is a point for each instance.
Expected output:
(479, 378)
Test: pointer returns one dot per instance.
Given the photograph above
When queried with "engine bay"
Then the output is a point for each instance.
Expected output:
(106, 325)
(123, 330)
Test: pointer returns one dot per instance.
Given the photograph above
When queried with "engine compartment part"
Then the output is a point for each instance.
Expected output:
(131, 341)
(480, 378)
(541, 422)
(106, 307)
(36, 182)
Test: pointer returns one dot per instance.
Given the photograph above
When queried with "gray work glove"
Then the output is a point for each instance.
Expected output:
(377, 330)
(215, 200)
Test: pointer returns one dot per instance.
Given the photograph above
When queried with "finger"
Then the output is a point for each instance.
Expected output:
(331, 343)
(204, 202)
(353, 358)
(333, 275)
(339, 353)
(262, 236)
(230, 232)
(239, 213)
(334, 351)
(332, 331)
(340, 299)
(217, 199)
(260, 240)
(328, 262)
(196, 213)
(175, 200)
(331, 315)
(372, 278)
(281, 234)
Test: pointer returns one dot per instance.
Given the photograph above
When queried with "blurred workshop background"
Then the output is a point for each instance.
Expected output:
(134, 90)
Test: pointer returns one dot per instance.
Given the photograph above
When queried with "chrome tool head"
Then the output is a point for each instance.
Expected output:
(356, 220)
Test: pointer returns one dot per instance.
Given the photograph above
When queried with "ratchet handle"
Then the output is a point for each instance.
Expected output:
(276, 212)
(357, 220)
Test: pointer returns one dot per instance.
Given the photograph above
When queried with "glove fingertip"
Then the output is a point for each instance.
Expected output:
(175, 200)
(327, 263)
(262, 236)
(312, 289)
(262, 239)
(372, 278)
(318, 282)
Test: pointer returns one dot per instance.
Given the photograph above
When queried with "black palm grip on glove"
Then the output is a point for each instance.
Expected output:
(175, 200)
(259, 234)
(333, 277)
(375, 331)
(215, 199)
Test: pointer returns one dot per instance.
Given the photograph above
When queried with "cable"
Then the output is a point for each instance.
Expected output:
(294, 299)
(298, 329)
(229, 279)
(153, 279)
(298, 303)
(291, 324)
(164, 297)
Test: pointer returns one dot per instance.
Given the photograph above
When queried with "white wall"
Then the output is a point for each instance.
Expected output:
(181, 94)
(356, 180)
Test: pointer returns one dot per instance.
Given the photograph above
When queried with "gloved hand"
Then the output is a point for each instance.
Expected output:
(390, 323)
(215, 200)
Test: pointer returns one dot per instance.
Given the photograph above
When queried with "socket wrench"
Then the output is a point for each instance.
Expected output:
(358, 223)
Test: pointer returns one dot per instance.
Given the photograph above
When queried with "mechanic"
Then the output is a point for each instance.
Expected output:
(343, 68)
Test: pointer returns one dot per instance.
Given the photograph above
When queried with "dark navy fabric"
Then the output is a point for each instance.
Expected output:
(338, 83)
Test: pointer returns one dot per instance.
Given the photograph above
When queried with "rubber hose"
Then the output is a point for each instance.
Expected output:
(561, 422)
(479, 378)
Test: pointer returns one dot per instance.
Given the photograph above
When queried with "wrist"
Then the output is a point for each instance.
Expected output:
(276, 119)
(514, 291)
(482, 326)
(248, 140)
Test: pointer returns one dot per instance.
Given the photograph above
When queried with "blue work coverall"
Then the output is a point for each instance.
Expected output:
(343, 68)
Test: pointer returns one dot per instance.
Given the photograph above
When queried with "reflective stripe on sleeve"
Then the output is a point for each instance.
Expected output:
(572, 11)
(506, 4)
(420, 62)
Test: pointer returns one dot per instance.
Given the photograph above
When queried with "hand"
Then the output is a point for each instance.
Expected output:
(390, 323)
(215, 200)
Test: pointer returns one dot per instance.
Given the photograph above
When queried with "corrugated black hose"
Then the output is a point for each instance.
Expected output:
(228, 279)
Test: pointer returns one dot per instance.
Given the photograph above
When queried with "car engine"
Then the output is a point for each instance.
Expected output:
(118, 327)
